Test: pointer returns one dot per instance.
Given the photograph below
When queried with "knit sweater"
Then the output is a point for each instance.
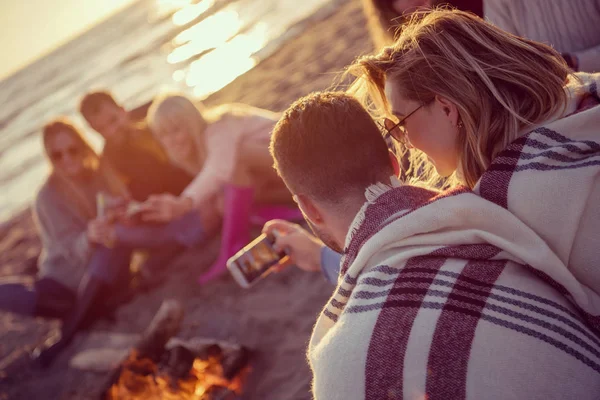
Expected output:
(62, 230)
(570, 26)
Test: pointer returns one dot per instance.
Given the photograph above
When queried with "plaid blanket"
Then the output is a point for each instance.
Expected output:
(550, 179)
(451, 296)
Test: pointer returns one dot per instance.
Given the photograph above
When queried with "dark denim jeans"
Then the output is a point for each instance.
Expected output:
(184, 231)
(49, 298)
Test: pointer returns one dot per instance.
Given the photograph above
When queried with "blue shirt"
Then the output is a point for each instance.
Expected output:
(330, 264)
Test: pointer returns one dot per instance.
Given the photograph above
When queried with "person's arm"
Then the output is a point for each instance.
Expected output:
(330, 264)
(304, 250)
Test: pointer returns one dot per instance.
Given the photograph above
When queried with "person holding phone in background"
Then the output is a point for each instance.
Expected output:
(76, 267)
(226, 148)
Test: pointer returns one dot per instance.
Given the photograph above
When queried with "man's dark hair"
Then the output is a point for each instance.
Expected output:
(326, 145)
(92, 102)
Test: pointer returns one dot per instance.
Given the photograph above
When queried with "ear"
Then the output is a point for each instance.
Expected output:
(449, 109)
(395, 163)
(309, 209)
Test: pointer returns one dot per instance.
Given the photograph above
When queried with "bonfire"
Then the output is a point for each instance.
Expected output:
(159, 367)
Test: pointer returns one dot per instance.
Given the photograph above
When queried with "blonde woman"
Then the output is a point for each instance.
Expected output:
(502, 115)
(74, 267)
(226, 148)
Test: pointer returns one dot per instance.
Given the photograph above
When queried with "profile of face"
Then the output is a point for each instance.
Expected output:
(323, 234)
(404, 7)
(431, 128)
(67, 155)
(315, 219)
(173, 134)
(110, 121)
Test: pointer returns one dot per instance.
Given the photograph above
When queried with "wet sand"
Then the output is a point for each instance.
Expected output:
(275, 317)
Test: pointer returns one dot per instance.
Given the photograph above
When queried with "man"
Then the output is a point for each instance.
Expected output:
(131, 149)
(439, 294)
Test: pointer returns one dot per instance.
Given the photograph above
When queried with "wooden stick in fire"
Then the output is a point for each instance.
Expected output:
(165, 324)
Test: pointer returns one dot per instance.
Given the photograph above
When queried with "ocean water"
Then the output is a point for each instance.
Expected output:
(197, 47)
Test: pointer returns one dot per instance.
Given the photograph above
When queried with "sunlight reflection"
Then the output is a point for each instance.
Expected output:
(191, 12)
(220, 67)
(224, 21)
(167, 7)
(213, 32)
(179, 75)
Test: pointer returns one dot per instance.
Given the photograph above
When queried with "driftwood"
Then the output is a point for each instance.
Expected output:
(165, 324)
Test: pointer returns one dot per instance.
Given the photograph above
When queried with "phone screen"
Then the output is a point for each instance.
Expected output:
(256, 259)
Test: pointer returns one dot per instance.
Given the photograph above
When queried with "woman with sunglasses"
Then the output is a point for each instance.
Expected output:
(75, 266)
(501, 115)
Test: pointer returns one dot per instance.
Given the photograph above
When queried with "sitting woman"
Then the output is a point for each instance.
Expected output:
(498, 114)
(502, 115)
(226, 148)
(75, 266)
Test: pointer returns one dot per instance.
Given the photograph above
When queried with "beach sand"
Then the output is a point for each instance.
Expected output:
(275, 317)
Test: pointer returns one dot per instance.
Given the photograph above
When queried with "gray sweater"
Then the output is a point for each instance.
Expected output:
(65, 248)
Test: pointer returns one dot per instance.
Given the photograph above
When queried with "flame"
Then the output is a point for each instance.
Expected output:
(140, 379)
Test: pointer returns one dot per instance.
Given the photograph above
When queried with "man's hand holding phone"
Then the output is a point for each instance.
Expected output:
(303, 249)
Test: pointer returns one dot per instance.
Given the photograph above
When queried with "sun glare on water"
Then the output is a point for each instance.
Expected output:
(222, 53)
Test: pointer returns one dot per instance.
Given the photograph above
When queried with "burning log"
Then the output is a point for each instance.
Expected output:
(165, 324)
(177, 370)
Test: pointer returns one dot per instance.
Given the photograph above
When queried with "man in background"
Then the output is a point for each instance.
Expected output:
(131, 148)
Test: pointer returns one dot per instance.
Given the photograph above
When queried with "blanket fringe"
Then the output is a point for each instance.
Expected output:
(374, 191)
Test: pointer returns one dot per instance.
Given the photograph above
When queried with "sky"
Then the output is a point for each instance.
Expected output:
(30, 29)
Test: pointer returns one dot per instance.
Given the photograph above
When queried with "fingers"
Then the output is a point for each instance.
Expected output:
(285, 243)
(284, 227)
(99, 231)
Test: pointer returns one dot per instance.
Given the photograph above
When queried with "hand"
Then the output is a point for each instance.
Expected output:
(164, 208)
(100, 231)
(303, 249)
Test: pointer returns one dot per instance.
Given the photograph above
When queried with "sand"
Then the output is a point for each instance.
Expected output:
(275, 317)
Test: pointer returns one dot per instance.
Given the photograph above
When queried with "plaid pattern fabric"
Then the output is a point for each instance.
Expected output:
(458, 296)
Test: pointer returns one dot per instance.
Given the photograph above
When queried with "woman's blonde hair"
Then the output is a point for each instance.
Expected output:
(110, 181)
(499, 82)
(174, 107)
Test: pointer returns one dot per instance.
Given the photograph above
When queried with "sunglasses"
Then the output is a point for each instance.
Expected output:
(396, 130)
(72, 152)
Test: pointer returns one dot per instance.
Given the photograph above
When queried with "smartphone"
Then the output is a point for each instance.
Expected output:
(100, 204)
(255, 261)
